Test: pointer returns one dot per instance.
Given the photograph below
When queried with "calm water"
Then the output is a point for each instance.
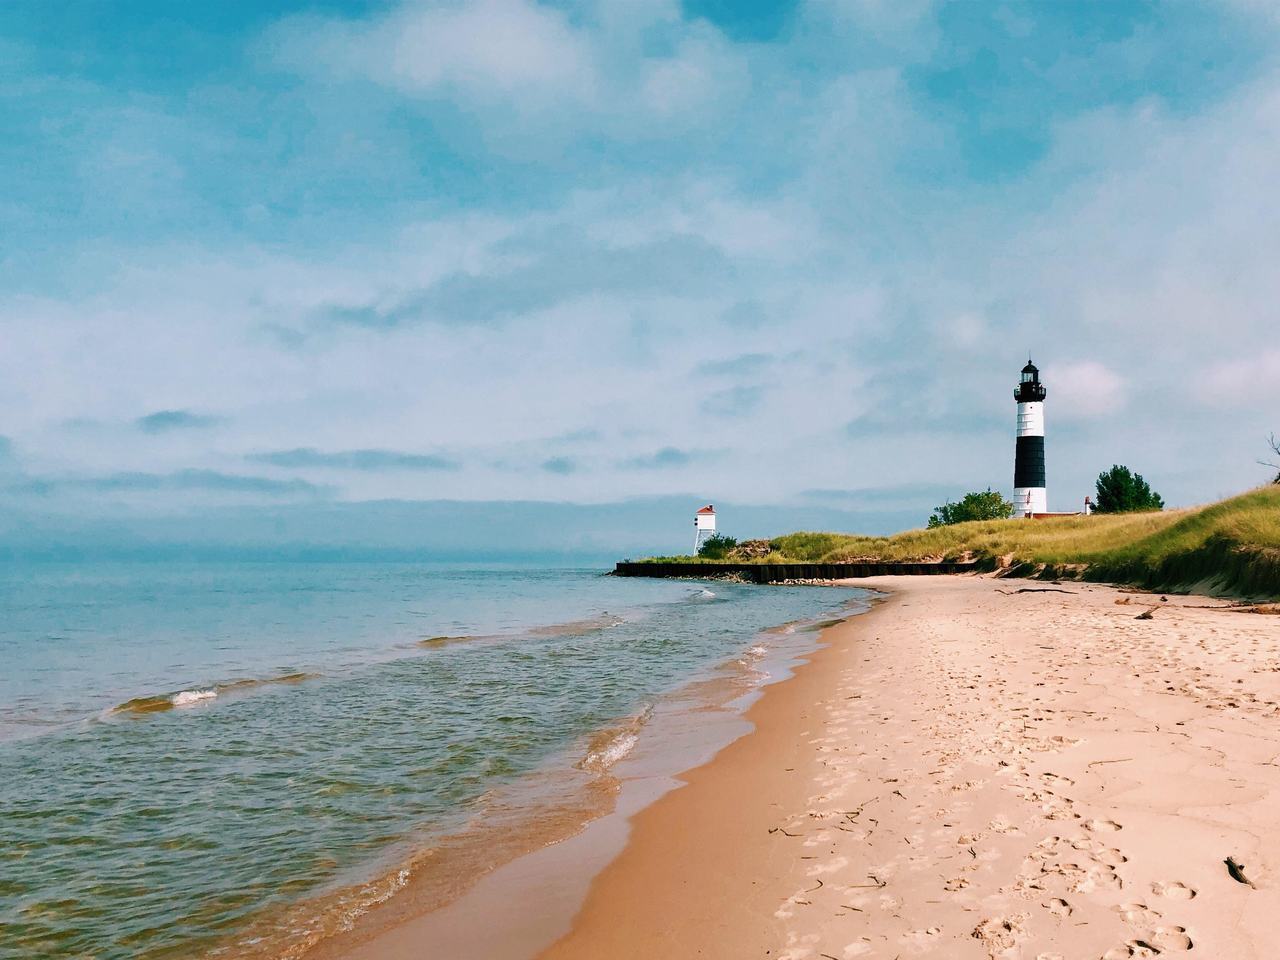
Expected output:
(184, 746)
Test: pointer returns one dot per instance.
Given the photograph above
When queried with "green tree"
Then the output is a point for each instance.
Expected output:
(979, 505)
(716, 546)
(1122, 491)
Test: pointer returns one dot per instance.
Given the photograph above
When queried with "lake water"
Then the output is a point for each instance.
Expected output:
(191, 754)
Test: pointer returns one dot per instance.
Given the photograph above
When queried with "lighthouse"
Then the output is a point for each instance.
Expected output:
(704, 525)
(1029, 495)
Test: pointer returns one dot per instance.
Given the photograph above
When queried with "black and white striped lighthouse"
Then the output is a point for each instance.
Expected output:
(1029, 494)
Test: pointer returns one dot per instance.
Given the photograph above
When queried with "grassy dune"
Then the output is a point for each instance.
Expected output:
(1231, 547)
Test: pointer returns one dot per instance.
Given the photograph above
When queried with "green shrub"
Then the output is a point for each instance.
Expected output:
(984, 505)
(1122, 491)
(716, 547)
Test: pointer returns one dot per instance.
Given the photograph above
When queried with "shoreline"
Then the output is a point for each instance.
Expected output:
(645, 902)
(520, 893)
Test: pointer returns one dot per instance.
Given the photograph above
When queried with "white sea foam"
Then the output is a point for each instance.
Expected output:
(610, 746)
(751, 660)
(611, 752)
(371, 895)
(705, 594)
(188, 697)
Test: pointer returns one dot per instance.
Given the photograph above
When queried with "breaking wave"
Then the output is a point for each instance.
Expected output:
(189, 698)
(612, 744)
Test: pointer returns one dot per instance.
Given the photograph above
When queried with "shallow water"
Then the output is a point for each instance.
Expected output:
(191, 748)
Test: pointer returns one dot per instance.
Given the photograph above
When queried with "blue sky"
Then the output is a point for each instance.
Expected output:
(269, 255)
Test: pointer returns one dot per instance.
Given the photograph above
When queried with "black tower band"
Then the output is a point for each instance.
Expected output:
(1028, 462)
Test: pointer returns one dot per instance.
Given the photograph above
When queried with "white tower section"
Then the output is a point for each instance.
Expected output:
(704, 525)
(1029, 492)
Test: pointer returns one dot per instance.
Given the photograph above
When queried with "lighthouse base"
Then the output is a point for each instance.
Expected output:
(1029, 500)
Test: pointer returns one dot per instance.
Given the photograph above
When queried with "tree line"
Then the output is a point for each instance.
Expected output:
(1118, 490)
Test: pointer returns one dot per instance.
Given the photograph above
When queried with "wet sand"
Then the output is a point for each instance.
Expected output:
(975, 771)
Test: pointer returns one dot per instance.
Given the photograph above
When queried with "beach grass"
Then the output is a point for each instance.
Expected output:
(1232, 546)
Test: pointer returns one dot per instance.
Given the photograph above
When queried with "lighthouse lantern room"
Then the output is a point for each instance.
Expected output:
(1029, 494)
(704, 525)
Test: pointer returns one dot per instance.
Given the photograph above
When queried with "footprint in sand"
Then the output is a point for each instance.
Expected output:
(1134, 948)
(1172, 889)
(1057, 810)
(1001, 933)
(1002, 825)
(1101, 852)
(1137, 913)
(1111, 857)
(1171, 938)
(1102, 826)
(1058, 907)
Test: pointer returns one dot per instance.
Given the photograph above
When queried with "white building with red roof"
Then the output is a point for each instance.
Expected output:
(704, 525)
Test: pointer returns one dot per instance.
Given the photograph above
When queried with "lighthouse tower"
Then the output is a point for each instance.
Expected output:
(704, 525)
(1028, 465)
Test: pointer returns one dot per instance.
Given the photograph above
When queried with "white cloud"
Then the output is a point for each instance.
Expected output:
(520, 61)
(1173, 234)
(701, 71)
(489, 47)
(187, 328)
(1086, 389)
(1245, 382)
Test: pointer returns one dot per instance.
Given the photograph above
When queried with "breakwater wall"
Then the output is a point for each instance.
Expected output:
(775, 572)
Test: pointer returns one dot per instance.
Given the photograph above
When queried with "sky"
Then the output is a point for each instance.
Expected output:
(272, 259)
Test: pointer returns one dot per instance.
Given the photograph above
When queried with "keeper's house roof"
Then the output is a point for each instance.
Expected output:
(707, 509)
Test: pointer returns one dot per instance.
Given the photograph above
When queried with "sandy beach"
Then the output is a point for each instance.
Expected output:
(979, 768)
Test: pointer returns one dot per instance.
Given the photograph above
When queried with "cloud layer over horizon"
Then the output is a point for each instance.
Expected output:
(587, 251)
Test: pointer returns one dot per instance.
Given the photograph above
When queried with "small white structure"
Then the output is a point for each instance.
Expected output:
(704, 525)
